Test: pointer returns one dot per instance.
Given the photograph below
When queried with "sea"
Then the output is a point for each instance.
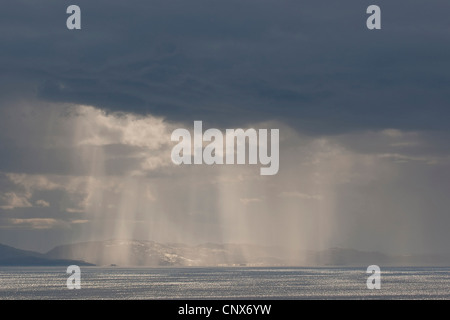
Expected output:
(285, 283)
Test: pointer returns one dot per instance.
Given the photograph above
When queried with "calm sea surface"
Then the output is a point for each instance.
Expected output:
(224, 283)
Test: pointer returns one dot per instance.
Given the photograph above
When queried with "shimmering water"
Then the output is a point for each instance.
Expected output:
(224, 283)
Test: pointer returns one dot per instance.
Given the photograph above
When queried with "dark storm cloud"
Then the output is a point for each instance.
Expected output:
(308, 65)
(311, 64)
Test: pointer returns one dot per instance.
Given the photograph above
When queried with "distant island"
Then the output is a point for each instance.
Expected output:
(131, 253)
(10, 256)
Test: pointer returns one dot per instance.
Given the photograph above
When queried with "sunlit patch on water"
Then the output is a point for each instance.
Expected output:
(224, 283)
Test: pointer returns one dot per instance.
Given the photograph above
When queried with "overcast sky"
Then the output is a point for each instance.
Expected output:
(86, 117)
